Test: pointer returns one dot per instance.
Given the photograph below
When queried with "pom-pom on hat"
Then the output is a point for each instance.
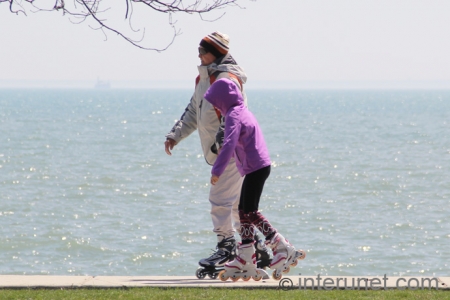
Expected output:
(216, 43)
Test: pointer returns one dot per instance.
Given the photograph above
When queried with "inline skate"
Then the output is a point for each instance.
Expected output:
(284, 255)
(211, 266)
(243, 266)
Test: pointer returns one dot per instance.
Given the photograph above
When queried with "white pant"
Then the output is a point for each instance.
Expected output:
(224, 198)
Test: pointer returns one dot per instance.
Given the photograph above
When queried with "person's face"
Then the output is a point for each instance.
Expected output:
(206, 58)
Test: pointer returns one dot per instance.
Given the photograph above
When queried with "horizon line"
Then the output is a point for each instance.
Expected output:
(255, 84)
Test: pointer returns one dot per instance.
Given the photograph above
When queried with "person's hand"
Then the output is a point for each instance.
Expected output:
(169, 144)
(214, 179)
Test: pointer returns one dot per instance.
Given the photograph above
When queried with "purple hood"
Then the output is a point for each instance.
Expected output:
(224, 94)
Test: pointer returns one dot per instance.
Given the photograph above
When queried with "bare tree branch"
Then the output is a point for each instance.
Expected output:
(96, 11)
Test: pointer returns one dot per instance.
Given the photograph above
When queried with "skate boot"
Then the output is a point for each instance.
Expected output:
(284, 255)
(263, 257)
(211, 266)
(243, 266)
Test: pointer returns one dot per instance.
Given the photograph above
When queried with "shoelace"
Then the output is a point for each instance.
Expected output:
(216, 253)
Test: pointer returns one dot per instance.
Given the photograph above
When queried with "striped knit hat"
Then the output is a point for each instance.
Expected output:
(216, 43)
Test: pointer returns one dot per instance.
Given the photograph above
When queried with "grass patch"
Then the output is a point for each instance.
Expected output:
(213, 294)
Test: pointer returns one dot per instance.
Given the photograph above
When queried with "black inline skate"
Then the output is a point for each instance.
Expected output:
(211, 266)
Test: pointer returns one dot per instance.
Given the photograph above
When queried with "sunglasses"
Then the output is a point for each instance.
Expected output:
(202, 51)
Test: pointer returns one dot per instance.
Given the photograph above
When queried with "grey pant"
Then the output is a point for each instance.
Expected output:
(224, 199)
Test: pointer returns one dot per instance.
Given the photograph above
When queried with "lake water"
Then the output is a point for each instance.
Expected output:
(360, 180)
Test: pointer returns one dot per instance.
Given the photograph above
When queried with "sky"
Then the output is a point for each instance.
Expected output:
(280, 44)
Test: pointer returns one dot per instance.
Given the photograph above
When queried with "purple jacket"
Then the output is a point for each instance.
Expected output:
(243, 137)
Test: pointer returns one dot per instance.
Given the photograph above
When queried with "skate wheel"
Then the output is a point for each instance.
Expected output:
(199, 273)
(302, 255)
(213, 276)
(222, 276)
(235, 278)
(257, 277)
(285, 271)
(275, 276)
(246, 278)
(294, 263)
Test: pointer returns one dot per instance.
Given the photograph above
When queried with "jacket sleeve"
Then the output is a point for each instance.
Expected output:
(186, 125)
(231, 138)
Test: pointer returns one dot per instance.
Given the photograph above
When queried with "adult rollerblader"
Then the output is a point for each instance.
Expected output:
(200, 115)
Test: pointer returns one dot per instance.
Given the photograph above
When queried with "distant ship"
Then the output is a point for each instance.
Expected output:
(102, 84)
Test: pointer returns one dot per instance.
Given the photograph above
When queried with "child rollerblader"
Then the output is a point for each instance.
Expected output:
(244, 141)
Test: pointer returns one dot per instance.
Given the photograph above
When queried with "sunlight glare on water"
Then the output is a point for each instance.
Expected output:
(359, 180)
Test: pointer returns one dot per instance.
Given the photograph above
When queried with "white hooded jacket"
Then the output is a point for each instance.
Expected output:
(200, 114)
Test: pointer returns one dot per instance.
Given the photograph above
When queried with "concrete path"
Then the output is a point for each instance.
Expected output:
(287, 282)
